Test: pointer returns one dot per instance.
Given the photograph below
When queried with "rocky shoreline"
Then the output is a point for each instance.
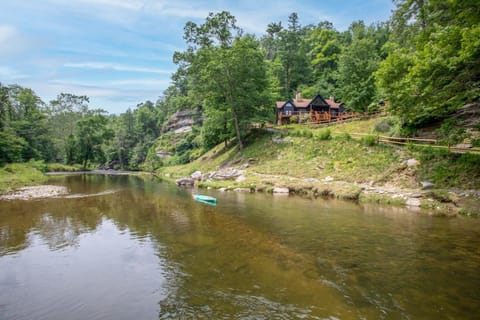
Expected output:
(425, 198)
(35, 192)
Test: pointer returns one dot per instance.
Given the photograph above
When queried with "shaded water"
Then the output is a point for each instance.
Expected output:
(143, 249)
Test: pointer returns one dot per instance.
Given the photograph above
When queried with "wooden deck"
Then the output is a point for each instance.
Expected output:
(315, 117)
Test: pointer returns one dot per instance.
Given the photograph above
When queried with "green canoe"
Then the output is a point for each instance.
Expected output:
(205, 199)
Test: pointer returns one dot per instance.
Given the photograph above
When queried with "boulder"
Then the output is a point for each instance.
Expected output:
(328, 179)
(281, 190)
(413, 202)
(240, 179)
(227, 174)
(412, 162)
(185, 181)
(197, 176)
(163, 154)
(426, 185)
(242, 190)
(282, 140)
(464, 146)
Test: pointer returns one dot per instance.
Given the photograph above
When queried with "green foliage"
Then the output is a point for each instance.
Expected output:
(301, 132)
(450, 132)
(324, 134)
(23, 125)
(91, 132)
(152, 161)
(357, 64)
(229, 71)
(369, 140)
(432, 64)
(389, 125)
(17, 175)
(11, 147)
(448, 170)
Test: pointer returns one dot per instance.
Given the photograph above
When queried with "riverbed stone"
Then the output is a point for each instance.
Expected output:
(281, 190)
(413, 202)
(426, 185)
(412, 162)
(241, 189)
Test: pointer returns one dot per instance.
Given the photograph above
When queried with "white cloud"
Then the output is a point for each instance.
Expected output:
(10, 73)
(141, 82)
(12, 42)
(7, 33)
(115, 67)
(122, 4)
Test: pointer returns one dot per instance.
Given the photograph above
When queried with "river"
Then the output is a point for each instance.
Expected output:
(131, 248)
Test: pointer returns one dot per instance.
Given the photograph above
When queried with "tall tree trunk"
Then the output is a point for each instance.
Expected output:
(237, 129)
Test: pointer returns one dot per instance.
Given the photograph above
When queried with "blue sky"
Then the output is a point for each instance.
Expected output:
(119, 52)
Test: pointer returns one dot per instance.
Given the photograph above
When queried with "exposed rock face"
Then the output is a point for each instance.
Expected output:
(227, 174)
(182, 121)
(163, 154)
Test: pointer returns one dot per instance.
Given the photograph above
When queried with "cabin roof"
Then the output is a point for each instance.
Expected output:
(331, 102)
(303, 103)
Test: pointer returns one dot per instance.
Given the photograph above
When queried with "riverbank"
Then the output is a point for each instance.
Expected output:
(319, 162)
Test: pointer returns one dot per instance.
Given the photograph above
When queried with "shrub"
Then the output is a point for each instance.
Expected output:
(451, 132)
(390, 125)
(324, 134)
(345, 136)
(369, 140)
(384, 125)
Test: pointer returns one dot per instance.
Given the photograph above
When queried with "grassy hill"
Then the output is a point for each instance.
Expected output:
(328, 161)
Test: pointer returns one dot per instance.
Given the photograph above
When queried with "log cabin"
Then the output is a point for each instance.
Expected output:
(317, 109)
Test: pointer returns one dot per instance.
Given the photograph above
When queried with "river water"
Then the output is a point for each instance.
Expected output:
(130, 248)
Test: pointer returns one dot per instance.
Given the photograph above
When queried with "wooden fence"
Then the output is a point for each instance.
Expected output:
(433, 143)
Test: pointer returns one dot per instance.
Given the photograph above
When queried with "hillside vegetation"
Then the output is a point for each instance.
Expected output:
(328, 161)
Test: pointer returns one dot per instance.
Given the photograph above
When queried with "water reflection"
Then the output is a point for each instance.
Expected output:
(147, 250)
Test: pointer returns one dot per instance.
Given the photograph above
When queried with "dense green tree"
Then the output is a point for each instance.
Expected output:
(432, 67)
(229, 69)
(91, 133)
(357, 64)
(292, 54)
(270, 41)
(324, 46)
(23, 125)
(63, 115)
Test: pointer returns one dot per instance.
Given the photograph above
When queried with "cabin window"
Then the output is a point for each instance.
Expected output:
(288, 109)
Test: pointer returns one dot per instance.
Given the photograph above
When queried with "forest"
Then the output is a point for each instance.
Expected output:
(424, 61)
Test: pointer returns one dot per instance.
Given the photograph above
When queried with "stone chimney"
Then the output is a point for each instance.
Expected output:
(298, 96)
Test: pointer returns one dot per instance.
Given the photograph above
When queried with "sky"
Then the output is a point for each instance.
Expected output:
(119, 52)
